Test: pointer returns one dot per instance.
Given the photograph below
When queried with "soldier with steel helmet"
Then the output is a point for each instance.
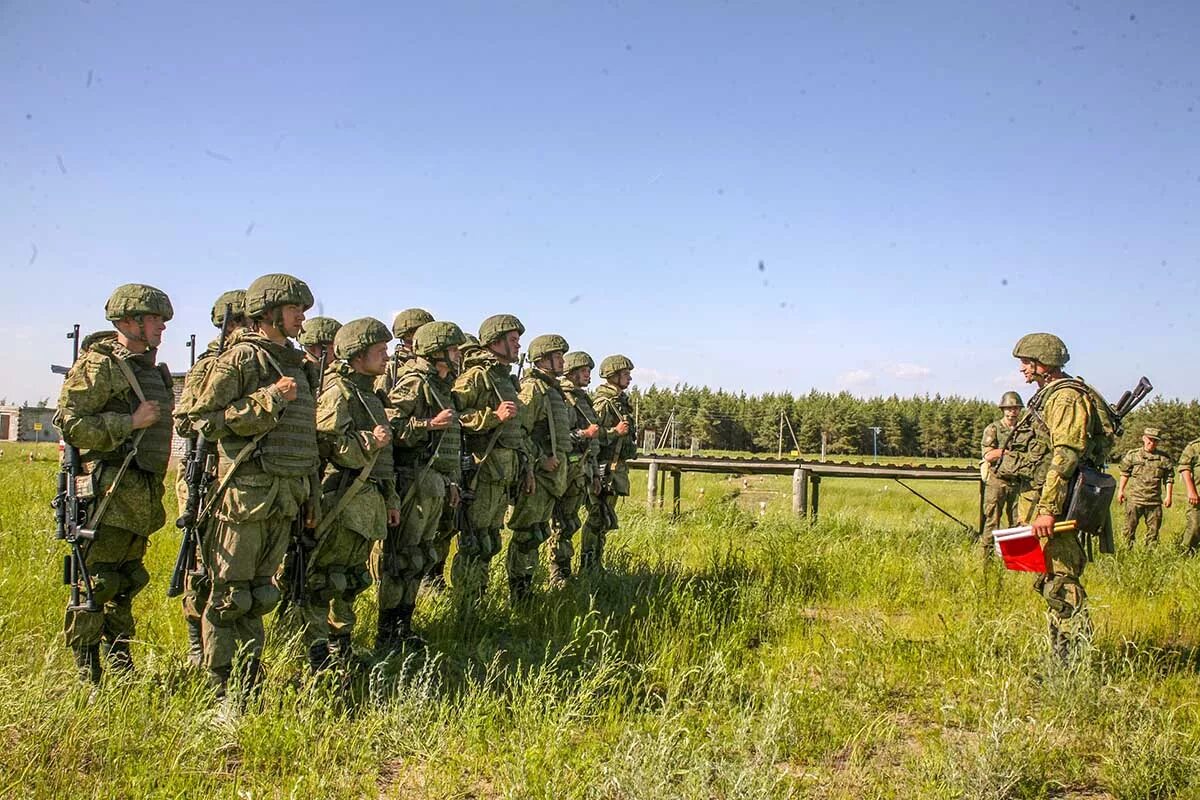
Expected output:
(1144, 470)
(618, 444)
(583, 468)
(486, 398)
(115, 407)
(196, 588)
(316, 338)
(258, 404)
(428, 460)
(1060, 433)
(546, 419)
(359, 500)
(999, 495)
(404, 328)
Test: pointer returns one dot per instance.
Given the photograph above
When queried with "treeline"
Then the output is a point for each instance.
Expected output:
(928, 427)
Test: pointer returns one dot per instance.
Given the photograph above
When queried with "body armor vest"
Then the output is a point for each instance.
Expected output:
(499, 379)
(154, 449)
(289, 450)
(553, 413)
(443, 446)
(366, 411)
(623, 448)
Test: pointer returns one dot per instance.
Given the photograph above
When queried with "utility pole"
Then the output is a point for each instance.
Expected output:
(875, 444)
(780, 456)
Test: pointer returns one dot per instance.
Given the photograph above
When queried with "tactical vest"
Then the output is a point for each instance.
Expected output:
(289, 450)
(499, 380)
(582, 416)
(1027, 454)
(623, 448)
(366, 411)
(442, 449)
(552, 430)
(154, 449)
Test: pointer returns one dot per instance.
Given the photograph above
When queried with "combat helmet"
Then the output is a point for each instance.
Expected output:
(496, 326)
(470, 342)
(408, 321)
(614, 364)
(135, 299)
(547, 344)
(276, 289)
(235, 299)
(357, 335)
(1011, 400)
(577, 360)
(433, 337)
(318, 330)
(1045, 348)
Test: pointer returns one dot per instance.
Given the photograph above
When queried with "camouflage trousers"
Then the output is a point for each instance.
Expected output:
(114, 561)
(1060, 585)
(242, 560)
(411, 549)
(485, 517)
(337, 575)
(591, 544)
(1151, 514)
(564, 524)
(530, 526)
(999, 511)
(1191, 530)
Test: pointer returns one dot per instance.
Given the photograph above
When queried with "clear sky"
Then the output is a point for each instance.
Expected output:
(880, 197)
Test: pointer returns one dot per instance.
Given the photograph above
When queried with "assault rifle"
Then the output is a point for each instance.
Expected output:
(466, 495)
(608, 516)
(200, 470)
(1130, 399)
(70, 515)
(303, 539)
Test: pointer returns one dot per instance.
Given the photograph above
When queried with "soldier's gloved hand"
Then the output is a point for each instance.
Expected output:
(381, 436)
(622, 428)
(146, 414)
(506, 410)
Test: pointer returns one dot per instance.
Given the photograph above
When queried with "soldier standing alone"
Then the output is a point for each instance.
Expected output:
(999, 497)
(1144, 470)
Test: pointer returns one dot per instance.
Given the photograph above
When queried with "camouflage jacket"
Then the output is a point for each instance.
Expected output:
(483, 384)
(191, 384)
(1147, 472)
(996, 434)
(585, 453)
(418, 396)
(95, 414)
(1189, 459)
(546, 419)
(612, 407)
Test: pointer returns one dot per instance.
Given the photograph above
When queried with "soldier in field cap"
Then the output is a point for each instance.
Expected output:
(1144, 470)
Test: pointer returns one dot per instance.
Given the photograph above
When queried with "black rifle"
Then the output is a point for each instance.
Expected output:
(200, 471)
(1130, 399)
(466, 495)
(70, 515)
(608, 517)
(303, 539)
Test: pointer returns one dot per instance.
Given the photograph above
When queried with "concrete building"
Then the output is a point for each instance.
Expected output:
(27, 424)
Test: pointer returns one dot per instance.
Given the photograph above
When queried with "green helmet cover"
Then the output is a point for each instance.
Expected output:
(496, 326)
(614, 364)
(408, 321)
(546, 344)
(1045, 348)
(318, 330)
(577, 360)
(135, 299)
(276, 289)
(433, 337)
(235, 299)
(357, 335)
(1011, 400)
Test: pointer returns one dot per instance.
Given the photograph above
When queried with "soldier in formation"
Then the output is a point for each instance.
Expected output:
(1144, 471)
(583, 466)
(618, 444)
(316, 339)
(404, 328)
(1000, 496)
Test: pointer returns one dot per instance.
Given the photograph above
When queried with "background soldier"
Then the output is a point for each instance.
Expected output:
(582, 464)
(359, 497)
(196, 587)
(547, 421)
(428, 458)
(115, 407)
(404, 328)
(258, 405)
(618, 444)
(1189, 459)
(999, 497)
(316, 337)
(1057, 435)
(1144, 470)
(486, 398)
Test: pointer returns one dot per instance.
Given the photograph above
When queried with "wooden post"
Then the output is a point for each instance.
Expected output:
(982, 487)
(798, 477)
(676, 479)
(816, 496)
(804, 478)
(651, 484)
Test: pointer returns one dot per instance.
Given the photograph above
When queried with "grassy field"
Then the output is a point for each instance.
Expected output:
(737, 653)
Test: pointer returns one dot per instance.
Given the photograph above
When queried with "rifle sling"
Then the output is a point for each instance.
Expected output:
(98, 515)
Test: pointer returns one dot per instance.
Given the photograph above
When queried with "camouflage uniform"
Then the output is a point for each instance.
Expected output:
(547, 422)
(612, 407)
(429, 464)
(95, 414)
(240, 407)
(1189, 461)
(999, 495)
(499, 451)
(404, 326)
(196, 588)
(583, 469)
(1146, 472)
(359, 485)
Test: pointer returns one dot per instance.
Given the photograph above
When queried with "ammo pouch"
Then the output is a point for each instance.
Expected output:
(1091, 495)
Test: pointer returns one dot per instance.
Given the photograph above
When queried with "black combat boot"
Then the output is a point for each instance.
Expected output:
(87, 663)
(218, 679)
(404, 630)
(341, 652)
(520, 588)
(387, 639)
(435, 579)
(560, 573)
(318, 657)
(120, 659)
(195, 634)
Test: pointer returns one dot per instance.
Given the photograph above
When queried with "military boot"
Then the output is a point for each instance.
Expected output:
(435, 579)
(87, 663)
(341, 652)
(520, 588)
(120, 659)
(560, 573)
(387, 639)
(318, 657)
(218, 679)
(195, 635)
(408, 637)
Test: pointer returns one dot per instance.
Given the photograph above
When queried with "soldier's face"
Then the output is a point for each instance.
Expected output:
(1011, 414)
(555, 364)
(1150, 444)
(373, 360)
(582, 376)
(153, 325)
(454, 357)
(508, 347)
(291, 317)
(1029, 370)
(622, 379)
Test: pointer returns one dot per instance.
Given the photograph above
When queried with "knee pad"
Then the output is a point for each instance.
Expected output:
(233, 603)
(264, 597)
(107, 582)
(357, 582)
(136, 578)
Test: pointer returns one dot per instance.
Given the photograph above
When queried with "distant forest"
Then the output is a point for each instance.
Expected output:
(930, 426)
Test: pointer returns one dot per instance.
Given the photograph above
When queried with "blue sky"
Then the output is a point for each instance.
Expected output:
(920, 182)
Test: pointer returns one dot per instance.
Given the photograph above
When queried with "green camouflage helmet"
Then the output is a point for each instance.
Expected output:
(470, 342)
(614, 364)
(235, 299)
(433, 337)
(496, 326)
(1011, 400)
(1045, 348)
(546, 344)
(318, 330)
(408, 321)
(276, 289)
(577, 360)
(135, 299)
(357, 335)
